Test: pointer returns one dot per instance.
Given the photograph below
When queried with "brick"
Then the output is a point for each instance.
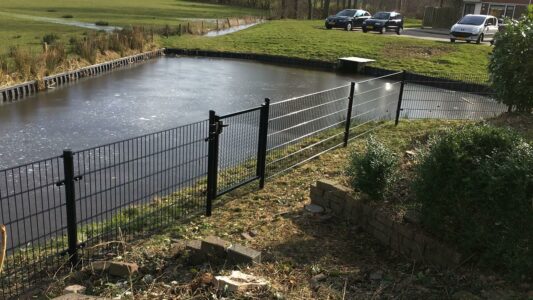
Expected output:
(326, 185)
(378, 225)
(215, 247)
(337, 206)
(317, 197)
(383, 237)
(195, 254)
(238, 254)
(405, 230)
(123, 269)
(368, 211)
(384, 219)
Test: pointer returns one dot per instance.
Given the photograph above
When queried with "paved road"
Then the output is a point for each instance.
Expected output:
(432, 35)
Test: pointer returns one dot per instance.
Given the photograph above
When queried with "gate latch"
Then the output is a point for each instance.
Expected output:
(216, 129)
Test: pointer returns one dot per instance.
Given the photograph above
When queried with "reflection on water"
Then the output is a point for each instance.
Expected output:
(153, 96)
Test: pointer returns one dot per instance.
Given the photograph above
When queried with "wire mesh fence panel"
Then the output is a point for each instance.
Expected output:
(238, 147)
(140, 184)
(449, 97)
(374, 100)
(305, 126)
(32, 208)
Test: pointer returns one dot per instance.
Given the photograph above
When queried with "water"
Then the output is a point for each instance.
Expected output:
(65, 22)
(229, 30)
(153, 96)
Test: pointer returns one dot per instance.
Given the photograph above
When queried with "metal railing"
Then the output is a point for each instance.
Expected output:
(57, 209)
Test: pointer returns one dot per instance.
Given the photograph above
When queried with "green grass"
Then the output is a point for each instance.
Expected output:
(17, 27)
(310, 40)
(412, 23)
(28, 33)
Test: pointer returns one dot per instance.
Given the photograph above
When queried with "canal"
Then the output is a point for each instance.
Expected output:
(155, 95)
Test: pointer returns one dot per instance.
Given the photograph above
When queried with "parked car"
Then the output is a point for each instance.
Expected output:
(384, 21)
(474, 28)
(347, 19)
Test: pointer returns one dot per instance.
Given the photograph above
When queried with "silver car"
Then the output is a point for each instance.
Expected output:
(474, 28)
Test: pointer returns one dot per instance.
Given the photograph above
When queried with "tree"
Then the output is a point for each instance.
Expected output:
(310, 9)
(325, 9)
(511, 64)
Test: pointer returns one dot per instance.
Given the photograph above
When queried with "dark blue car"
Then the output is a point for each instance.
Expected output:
(347, 19)
(384, 21)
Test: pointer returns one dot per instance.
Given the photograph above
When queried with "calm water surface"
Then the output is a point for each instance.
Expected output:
(153, 96)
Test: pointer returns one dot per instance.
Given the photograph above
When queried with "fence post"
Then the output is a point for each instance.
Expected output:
(263, 141)
(399, 108)
(72, 230)
(212, 160)
(349, 115)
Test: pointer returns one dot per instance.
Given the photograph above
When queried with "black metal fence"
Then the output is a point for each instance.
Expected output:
(55, 210)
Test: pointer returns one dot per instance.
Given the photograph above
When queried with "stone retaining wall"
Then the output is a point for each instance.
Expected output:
(404, 238)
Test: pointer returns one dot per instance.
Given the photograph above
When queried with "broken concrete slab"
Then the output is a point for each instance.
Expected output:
(238, 254)
(115, 268)
(239, 282)
(314, 209)
(79, 297)
(74, 289)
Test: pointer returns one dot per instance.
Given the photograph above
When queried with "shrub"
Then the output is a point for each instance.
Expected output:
(50, 38)
(67, 16)
(373, 171)
(101, 23)
(511, 63)
(55, 55)
(86, 48)
(475, 186)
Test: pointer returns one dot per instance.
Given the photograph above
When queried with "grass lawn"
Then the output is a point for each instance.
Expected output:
(23, 31)
(310, 40)
(27, 33)
(296, 246)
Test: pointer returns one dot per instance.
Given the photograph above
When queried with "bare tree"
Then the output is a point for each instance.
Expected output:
(325, 9)
(310, 9)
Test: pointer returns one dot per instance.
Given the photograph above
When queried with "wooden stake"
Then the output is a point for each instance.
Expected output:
(3, 247)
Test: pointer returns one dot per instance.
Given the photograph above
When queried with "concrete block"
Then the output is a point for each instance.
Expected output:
(195, 255)
(122, 269)
(215, 247)
(326, 185)
(238, 254)
(74, 289)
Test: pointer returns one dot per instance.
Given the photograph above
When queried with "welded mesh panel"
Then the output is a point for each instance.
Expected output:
(32, 208)
(302, 127)
(375, 100)
(142, 183)
(449, 97)
(238, 147)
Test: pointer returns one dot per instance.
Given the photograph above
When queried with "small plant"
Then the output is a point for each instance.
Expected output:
(475, 186)
(101, 23)
(67, 16)
(50, 38)
(373, 171)
(53, 58)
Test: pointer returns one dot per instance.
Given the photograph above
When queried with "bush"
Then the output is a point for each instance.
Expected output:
(55, 55)
(101, 23)
(67, 16)
(511, 63)
(86, 48)
(50, 38)
(374, 171)
(475, 186)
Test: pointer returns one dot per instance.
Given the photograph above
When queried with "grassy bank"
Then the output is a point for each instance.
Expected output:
(18, 29)
(310, 40)
(296, 246)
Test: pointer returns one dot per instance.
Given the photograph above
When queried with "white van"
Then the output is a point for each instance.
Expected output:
(474, 28)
